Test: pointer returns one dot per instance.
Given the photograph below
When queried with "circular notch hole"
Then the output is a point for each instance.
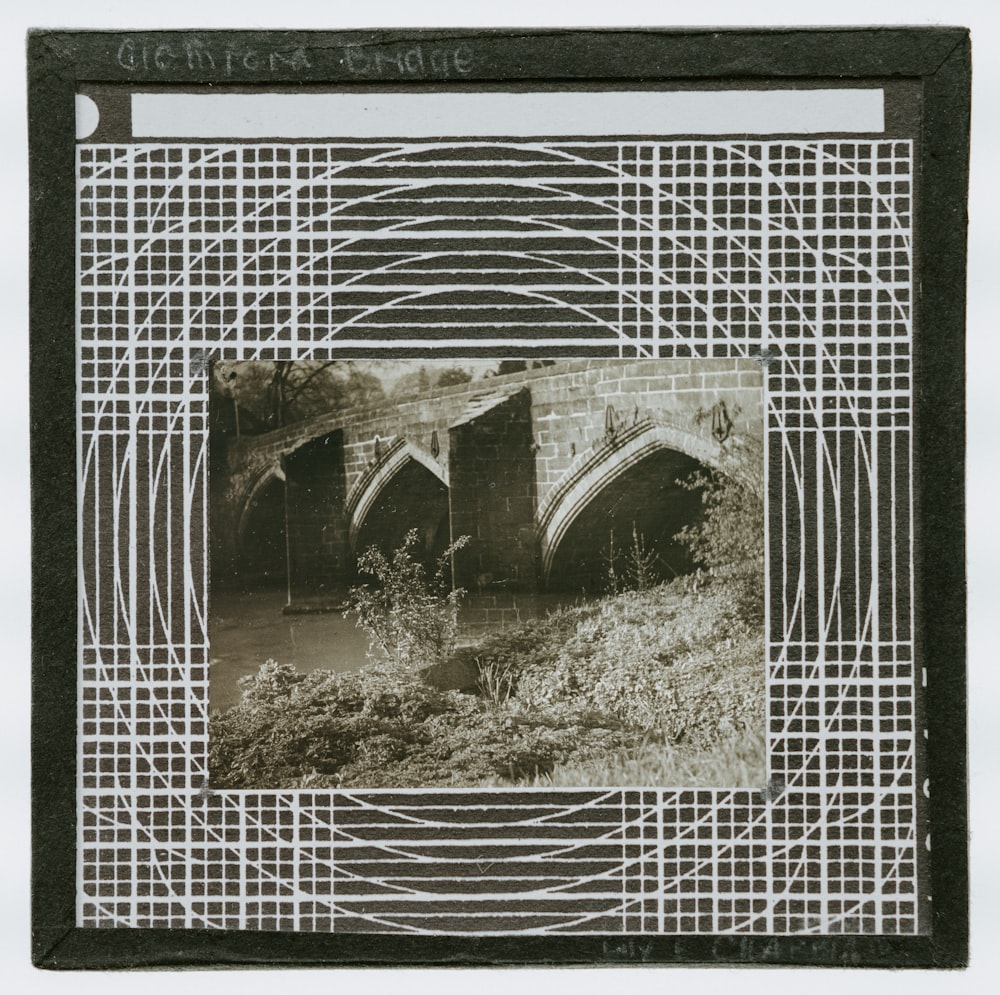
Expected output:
(87, 116)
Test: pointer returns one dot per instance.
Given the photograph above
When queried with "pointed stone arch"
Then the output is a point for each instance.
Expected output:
(254, 548)
(267, 475)
(592, 471)
(377, 477)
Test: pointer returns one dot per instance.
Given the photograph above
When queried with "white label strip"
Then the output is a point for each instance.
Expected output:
(515, 115)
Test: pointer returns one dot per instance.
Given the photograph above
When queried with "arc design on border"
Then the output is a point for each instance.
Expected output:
(375, 479)
(594, 470)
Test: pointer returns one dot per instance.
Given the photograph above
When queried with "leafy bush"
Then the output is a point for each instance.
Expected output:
(681, 663)
(413, 619)
(736, 760)
(679, 660)
(384, 728)
(729, 538)
(659, 686)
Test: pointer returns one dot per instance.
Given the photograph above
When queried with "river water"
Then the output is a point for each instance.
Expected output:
(246, 630)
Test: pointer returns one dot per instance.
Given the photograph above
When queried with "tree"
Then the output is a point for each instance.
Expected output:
(288, 382)
(520, 365)
(269, 394)
(452, 376)
(412, 384)
(511, 366)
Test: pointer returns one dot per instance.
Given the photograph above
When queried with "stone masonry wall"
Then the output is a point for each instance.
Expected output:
(569, 411)
(569, 402)
(492, 474)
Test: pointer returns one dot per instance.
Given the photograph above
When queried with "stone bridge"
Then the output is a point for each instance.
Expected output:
(542, 469)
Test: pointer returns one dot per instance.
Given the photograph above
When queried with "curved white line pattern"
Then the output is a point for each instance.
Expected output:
(799, 249)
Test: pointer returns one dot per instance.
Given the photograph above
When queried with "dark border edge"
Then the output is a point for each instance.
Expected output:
(52, 378)
(55, 64)
(939, 492)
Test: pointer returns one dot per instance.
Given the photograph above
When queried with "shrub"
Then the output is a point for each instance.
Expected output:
(664, 683)
(289, 726)
(532, 643)
(635, 569)
(612, 569)
(729, 538)
(413, 619)
(736, 760)
(384, 728)
(683, 664)
(641, 562)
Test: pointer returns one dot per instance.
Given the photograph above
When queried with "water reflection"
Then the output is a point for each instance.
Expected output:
(246, 629)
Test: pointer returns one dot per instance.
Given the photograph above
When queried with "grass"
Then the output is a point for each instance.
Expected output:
(736, 761)
(677, 660)
(663, 687)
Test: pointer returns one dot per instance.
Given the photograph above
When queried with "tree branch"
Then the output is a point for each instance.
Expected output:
(305, 383)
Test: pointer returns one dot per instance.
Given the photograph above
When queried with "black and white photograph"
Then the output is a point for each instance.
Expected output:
(636, 584)
(486, 573)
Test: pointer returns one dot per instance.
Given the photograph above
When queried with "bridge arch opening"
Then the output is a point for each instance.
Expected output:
(262, 554)
(643, 505)
(411, 497)
(629, 482)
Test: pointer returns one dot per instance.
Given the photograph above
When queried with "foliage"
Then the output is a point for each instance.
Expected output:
(641, 562)
(423, 379)
(267, 394)
(452, 376)
(679, 662)
(411, 618)
(736, 760)
(729, 538)
(412, 384)
(381, 728)
(496, 681)
(612, 570)
(506, 366)
(663, 686)
(634, 569)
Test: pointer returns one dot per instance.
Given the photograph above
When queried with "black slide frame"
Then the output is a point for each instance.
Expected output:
(937, 58)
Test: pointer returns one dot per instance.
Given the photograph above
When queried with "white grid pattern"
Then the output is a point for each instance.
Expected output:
(800, 250)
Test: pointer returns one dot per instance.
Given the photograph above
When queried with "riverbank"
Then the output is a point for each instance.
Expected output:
(248, 628)
(663, 686)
